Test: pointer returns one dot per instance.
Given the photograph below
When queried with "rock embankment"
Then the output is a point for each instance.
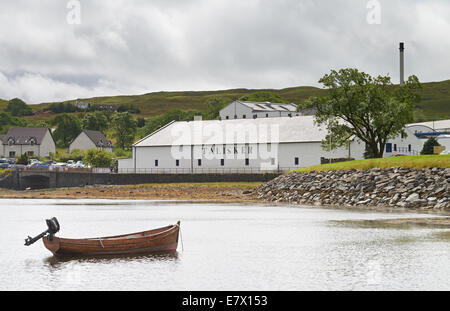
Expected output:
(426, 188)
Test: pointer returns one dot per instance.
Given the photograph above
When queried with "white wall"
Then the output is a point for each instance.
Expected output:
(241, 110)
(81, 142)
(259, 157)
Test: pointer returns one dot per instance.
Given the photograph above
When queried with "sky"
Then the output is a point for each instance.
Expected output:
(56, 50)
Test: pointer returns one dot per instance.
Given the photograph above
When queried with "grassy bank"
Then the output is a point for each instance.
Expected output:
(407, 161)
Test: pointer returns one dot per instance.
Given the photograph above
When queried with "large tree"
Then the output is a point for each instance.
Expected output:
(96, 121)
(68, 127)
(124, 127)
(370, 108)
(213, 106)
(18, 107)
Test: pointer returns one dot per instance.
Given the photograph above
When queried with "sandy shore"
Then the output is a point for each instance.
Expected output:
(201, 192)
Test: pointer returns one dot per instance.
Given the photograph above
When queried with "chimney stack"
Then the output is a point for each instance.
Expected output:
(402, 63)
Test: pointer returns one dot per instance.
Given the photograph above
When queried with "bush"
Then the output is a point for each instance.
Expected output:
(76, 155)
(98, 158)
(428, 147)
(23, 159)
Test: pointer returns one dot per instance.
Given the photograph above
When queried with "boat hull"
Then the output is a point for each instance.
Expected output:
(158, 240)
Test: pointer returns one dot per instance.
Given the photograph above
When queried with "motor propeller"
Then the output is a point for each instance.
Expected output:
(53, 227)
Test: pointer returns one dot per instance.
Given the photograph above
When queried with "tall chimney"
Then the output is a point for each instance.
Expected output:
(402, 63)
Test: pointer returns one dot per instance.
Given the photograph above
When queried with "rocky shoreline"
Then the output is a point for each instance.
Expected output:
(397, 187)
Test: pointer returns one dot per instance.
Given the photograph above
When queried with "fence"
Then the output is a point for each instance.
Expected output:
(203, 170)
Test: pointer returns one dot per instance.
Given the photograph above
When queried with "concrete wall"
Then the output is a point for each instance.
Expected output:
(41, 180)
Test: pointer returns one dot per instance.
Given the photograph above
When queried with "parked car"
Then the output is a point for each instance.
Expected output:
(4, 163)
(31, 161)
(17, 167)
(445, 152)
(79, 164)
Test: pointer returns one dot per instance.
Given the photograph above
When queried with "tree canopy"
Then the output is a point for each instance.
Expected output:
(264, 97)
(124, 129)
(370, 108)
(68, 127)
(96, 121)
(18, 107)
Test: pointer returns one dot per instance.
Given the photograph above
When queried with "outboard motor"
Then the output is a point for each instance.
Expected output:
(53, 227)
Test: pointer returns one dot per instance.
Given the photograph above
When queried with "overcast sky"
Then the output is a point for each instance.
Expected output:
(141, 46)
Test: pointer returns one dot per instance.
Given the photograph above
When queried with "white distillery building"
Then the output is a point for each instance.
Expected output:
(33, 141)
(252, 145)
(252, 110)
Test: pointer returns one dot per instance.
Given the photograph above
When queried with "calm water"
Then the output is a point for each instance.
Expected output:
(226, 247)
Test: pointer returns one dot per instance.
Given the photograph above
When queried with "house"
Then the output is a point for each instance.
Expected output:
(82, 105)
(252, 110)
(33, 141)
(88, 139)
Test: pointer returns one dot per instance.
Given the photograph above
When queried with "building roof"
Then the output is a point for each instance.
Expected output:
(25, 135)
(97, 138)
(251, 131)
(268, 106)
(441, 125)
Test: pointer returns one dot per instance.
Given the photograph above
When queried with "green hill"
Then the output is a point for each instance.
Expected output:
(435, 102)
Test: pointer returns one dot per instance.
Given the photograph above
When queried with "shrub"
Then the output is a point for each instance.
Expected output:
(98, 158)
(428, 146)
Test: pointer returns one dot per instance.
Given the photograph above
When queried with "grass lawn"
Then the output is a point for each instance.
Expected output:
(406, 161)
(242, 185)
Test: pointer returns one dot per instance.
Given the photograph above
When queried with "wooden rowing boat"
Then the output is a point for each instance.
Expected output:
(163, 239)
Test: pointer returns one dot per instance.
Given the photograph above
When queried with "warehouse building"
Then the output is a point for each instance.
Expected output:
(231, 145)
(252, 110)
(252, 145)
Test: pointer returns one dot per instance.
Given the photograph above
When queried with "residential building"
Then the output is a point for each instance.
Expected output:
(88, 139)
(33, 141)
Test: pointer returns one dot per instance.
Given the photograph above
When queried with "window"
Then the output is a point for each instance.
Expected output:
(177, 162)
(227, 117)
(409, 148)
(12, 154)
(389, 147)
(222, 162)
(395, 147)
(296, 161)
(244, 116)
(156, 162)
(247, 162)
(199, 161)
(255, 116)
(30, 153)
(272, 161)
(267, 115)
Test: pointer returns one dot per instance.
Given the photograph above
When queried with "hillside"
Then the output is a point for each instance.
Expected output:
(435, 102)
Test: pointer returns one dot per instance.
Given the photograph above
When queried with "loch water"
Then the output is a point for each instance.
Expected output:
(223, 247)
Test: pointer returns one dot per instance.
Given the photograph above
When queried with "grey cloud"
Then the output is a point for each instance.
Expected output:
(129, 47)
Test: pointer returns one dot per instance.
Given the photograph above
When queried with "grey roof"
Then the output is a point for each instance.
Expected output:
(24, 135)
(98, 138)
(439, 125)
(251, 131)
(268, 106)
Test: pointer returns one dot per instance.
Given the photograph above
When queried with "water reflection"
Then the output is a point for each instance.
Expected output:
(56, 262)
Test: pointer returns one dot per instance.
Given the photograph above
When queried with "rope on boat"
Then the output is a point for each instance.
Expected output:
(101, 243)
(181, 238)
